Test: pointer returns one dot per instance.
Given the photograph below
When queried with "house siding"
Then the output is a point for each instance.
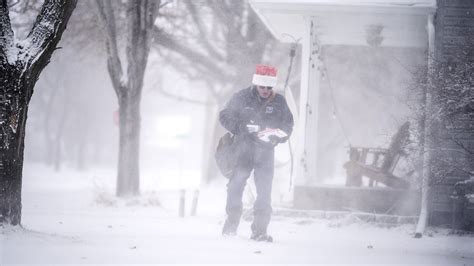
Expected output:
(454, 23)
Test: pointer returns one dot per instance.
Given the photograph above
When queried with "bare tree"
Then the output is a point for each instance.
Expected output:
(140, 18)
(222, 42)
(58, 114)
(21, 63)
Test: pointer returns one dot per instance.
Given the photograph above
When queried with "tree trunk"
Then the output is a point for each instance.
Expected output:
(59, 134)
(209, 169)
(129, 137)
(57, 155)
(14, 108)
(81, 150)
(140, 17)
(48, 139)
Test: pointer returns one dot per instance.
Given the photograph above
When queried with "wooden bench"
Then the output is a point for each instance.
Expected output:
(380, 168)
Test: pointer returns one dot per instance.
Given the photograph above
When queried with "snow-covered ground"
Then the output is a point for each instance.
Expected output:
(72, 218)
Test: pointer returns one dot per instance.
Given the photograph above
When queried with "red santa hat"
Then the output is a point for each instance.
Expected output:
(265, 76)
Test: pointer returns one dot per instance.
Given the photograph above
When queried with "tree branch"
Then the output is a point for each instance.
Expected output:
(114, 65)
(6, 34)
(47, 30)
(141, 17)
(197, 58)
(202, 32)
(185, 99)
(14, 3)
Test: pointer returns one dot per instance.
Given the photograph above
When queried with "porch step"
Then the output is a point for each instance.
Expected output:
(362, 216)
(377, 200)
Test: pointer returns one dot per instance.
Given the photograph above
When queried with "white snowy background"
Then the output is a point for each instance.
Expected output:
(71, 216)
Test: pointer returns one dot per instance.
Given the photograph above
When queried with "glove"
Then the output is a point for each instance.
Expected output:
(274, 140)
(248, 128)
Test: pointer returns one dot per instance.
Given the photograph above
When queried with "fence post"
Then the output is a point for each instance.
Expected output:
(195, 202)
(182, 202)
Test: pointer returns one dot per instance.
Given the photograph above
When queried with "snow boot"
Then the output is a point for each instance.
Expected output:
(261, 237)
(230, 228)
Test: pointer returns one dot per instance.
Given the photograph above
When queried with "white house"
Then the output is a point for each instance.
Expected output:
(337, 37)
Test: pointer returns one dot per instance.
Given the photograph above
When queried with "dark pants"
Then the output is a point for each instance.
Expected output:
(260, 160)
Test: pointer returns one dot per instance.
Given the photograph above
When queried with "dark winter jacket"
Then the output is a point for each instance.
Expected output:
(247, 107)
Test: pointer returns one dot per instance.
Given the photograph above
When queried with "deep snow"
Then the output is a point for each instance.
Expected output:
(71, 217)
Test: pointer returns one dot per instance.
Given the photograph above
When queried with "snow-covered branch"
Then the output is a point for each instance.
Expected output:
(46, 31)
(6, 35)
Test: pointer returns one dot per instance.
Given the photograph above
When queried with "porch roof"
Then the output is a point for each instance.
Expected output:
(346, 22)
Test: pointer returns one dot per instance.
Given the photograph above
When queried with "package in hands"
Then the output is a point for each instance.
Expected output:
(267, 134)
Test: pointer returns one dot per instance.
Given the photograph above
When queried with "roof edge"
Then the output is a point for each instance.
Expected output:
(317, 6)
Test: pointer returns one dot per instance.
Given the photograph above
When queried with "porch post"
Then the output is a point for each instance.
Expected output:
(425, 189)
(306, 155)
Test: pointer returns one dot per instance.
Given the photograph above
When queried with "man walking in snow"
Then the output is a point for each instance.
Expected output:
(260, 119)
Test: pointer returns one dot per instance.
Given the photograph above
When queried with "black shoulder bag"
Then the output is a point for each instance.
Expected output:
(225, 155)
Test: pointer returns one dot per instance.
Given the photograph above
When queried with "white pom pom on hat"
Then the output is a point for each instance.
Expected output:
(265, 76)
